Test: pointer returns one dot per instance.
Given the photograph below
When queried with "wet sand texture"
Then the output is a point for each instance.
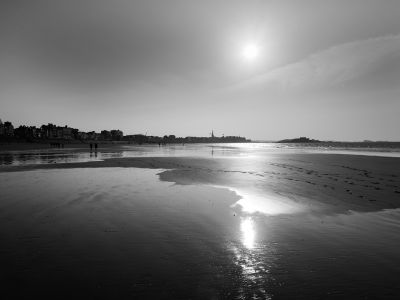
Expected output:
(111, 229)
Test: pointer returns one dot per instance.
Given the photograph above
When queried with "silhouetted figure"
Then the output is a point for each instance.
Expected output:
(91, 147)
(95, 147)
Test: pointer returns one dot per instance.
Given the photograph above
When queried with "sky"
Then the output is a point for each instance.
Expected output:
(326, 69)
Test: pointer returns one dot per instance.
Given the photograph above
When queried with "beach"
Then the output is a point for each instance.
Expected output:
(200, 222)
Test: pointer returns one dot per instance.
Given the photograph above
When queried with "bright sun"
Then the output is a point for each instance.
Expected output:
(250, 52)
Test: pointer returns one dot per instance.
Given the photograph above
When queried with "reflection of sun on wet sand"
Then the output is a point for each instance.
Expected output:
(248, 231)
(268, 204)
(257, 226)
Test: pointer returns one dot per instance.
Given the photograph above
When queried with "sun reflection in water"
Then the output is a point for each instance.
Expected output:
(248, 232)
(255, 259)
(266, 203)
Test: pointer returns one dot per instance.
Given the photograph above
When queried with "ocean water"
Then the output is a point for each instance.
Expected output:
(238, 229)
(82, 154)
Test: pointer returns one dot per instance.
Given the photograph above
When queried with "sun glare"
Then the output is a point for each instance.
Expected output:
(250, 52)
(248, 233)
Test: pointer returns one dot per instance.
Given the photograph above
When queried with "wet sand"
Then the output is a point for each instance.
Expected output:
(342, 182)
(278, 226)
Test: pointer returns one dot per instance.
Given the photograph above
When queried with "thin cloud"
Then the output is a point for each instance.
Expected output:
(331, 67)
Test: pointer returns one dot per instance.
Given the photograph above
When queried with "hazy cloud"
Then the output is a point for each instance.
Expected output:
(331, 67)
(153, 65)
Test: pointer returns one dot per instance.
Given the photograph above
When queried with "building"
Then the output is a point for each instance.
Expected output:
(93, 136)
(105, 135)
(49, 131)
(7, 129)
(116, 135)
(67, 133)
(82, 135)
(27, 132)
(1, 128)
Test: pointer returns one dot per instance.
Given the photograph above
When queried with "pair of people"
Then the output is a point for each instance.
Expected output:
(95, 146)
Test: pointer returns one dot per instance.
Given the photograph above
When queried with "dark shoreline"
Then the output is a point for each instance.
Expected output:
(20, 146)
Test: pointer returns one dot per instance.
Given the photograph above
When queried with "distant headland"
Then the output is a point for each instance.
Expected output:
(51, 133)
(307, 142)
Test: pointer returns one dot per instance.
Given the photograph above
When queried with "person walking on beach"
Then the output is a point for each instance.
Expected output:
(95, 147)
(91, 147)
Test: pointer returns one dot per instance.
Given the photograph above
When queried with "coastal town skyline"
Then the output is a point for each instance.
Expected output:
(50, 131)
(65, 132)
(266, 70)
